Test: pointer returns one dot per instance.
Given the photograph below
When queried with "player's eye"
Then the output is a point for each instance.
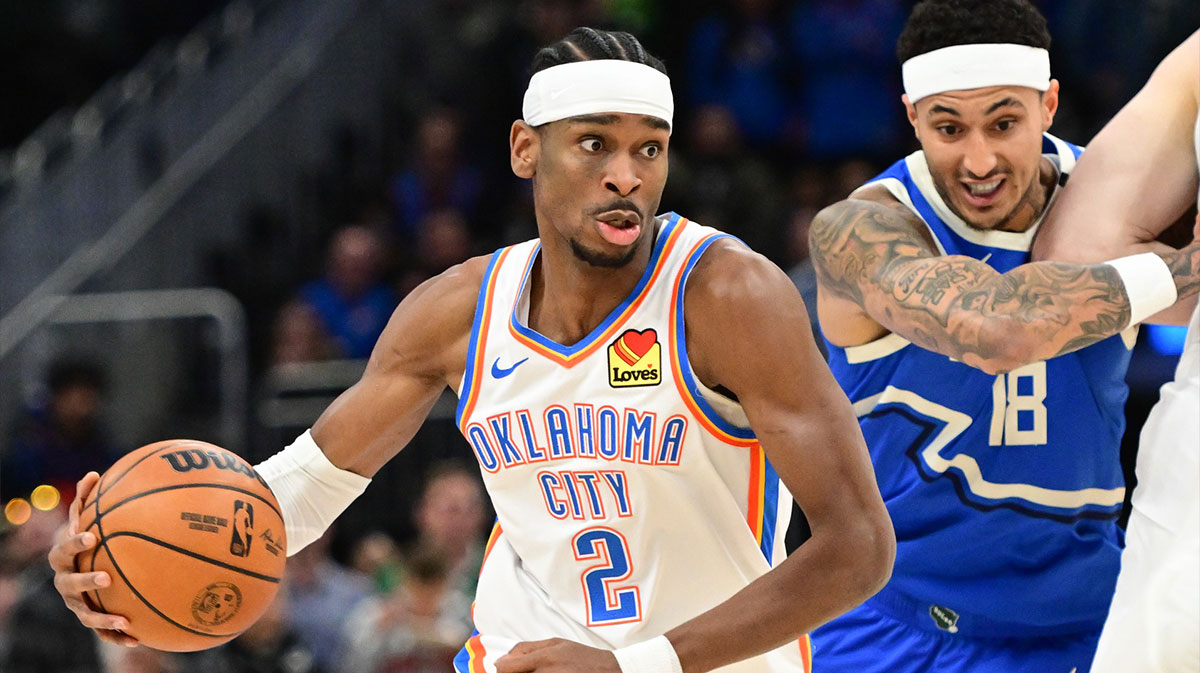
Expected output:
(1005, 124)
(948, 129)
(652, 150)
(591, 144)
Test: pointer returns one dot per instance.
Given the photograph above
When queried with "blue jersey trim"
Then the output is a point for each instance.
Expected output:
(469, 375)
(685, 369)
(659, 242)
(770, 511)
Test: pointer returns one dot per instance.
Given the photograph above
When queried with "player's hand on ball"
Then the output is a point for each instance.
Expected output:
(72, 584)
(556, 656)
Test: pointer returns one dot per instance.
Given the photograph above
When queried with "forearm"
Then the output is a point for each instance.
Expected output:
(964, 309)
(827, 576)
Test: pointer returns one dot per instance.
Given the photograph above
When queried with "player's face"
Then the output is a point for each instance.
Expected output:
(984, 148)
(597, 182)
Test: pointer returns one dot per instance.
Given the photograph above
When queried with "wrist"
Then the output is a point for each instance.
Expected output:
(1149, 284)
(656, 655)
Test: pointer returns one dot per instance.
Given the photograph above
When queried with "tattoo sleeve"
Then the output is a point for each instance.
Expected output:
(875, 255)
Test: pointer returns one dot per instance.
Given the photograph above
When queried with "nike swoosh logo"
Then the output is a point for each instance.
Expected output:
(554, 96)
(498, 373)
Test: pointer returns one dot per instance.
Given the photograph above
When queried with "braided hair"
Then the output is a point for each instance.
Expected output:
(590, 44)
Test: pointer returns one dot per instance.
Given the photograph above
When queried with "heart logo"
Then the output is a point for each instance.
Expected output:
(636, 344)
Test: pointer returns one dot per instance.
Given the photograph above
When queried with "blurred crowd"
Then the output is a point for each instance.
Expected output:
(781, 109)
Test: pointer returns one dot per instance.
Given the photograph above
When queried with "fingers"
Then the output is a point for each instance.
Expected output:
(74, 585)
(82, 488)
(514, 663)
(95, 620)
(117, 638)
(533, 645)
(524, 656)
(62, 554)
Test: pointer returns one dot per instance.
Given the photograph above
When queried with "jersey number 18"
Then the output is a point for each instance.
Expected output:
(1019, 407)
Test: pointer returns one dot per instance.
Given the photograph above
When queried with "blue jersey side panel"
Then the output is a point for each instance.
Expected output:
(1003, 491)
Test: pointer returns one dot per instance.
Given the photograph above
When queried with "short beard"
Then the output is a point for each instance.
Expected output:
(600, 259)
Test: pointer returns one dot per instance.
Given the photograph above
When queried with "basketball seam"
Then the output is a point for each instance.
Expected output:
(176, 487)
(188, 552)
(150, 605)
(101, 489)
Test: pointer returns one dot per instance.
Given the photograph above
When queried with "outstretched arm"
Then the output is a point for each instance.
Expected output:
(422, 350)
(870, 254)
(1137, 177)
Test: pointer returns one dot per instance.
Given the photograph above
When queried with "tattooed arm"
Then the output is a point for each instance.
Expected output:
(1137, 177)
(872, 255)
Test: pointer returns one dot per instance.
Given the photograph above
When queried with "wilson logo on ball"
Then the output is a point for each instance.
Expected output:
(196, 459)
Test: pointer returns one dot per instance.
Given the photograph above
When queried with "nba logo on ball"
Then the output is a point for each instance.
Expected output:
(243, 528)
(176, 523)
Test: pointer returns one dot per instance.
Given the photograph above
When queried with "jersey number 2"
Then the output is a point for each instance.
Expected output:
(1019, 407)
(607, 603)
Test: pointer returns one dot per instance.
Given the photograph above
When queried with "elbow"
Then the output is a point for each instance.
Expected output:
(881, 557)
(873, 556)
(1004, 345)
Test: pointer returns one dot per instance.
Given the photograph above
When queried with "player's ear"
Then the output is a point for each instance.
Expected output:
(912, 113)
(524, 145)
(1049, 105)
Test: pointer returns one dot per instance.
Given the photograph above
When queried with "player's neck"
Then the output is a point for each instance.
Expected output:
(1029, 211)
(569, 297)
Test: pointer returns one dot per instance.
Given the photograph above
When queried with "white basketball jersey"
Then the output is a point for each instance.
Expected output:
(629, 498)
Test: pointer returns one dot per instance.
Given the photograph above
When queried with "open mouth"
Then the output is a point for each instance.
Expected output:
(982, 194)
(619, 227)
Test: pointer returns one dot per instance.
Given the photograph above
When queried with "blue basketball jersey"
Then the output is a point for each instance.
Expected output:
(1004, 490)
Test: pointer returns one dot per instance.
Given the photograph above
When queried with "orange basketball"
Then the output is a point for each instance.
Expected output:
(192, 539)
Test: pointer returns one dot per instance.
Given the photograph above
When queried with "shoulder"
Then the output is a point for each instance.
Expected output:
(433, 323)
(870, 206)
(730, 279)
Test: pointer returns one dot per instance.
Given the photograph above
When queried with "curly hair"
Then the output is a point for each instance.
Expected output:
(590, 44)
(935, 24)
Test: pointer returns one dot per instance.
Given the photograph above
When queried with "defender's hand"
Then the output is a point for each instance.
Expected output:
(72, 584)
(557, 656)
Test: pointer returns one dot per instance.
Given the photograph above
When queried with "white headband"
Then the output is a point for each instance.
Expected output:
(974, 66)
(593, 87)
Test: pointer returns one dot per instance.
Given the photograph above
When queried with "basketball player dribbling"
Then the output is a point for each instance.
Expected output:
(990, 389)
(1137, 177)
(642, 394)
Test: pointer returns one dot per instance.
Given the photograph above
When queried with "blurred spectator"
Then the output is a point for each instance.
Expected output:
(300, 336)
(320, 593)
(436, 177)
(377, 556)
(271, 645)
(850, 98)
(850, 174)
(417, 628)
(43, 634)
(10, 594)
(737, 57)
(351, 299)
(443, 240)
(719, 184)
(450, 520)
(62, 438)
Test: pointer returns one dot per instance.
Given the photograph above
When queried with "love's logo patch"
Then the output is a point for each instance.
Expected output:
(635, 359)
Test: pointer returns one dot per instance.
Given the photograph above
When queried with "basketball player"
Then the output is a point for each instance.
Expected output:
(989, 389)
(1137, 177)
(609, 374)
